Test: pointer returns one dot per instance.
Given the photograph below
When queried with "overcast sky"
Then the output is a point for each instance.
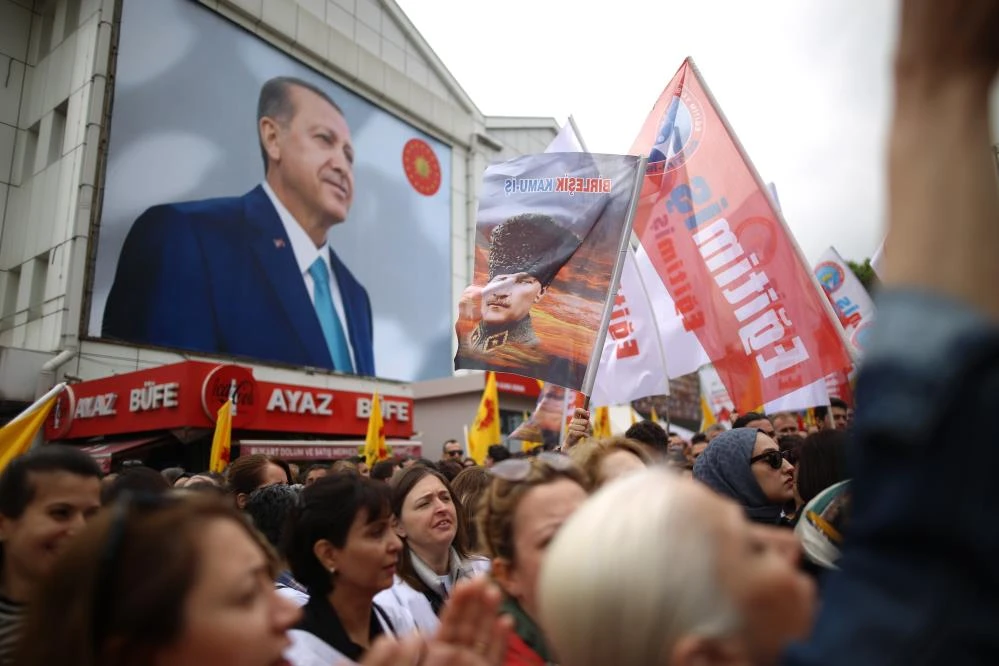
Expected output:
(806, 85)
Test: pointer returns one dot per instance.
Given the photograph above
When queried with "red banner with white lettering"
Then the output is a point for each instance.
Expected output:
(726, 256)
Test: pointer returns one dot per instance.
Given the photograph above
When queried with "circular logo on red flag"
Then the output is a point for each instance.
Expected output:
(225, 381)
(423, 170)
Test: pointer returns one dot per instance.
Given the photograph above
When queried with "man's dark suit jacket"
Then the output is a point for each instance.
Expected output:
(220, 276)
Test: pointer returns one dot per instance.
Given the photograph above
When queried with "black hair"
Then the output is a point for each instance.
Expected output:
(837, 402)
(748, 418)
(821, 462)
(498, 452)
(311, 468)
(651, 434)
(171, 474)
(327, 511)
(790, 442)
(699, 438)
(383, 471)
(275, 102)
(16, 487)
(450, 468)
(137, 481)
(269, 508)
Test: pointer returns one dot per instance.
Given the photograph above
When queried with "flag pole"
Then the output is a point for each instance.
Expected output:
(591, 369)
(37, 404)
(579, 136)
(827, 306)
(467, 454)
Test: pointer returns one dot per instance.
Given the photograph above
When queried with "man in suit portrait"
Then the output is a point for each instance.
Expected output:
(255, 276)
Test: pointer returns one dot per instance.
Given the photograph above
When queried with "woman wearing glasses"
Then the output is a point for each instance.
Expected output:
(747, 466)
(430, 521)
(521, 512)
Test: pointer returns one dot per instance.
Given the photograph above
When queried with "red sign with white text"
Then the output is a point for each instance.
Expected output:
(725, 255)
(189, 394)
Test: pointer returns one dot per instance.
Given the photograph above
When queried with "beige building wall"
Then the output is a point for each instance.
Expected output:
(444, 407)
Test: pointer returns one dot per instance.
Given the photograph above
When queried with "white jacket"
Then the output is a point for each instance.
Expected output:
(309, 650)
(404, 600)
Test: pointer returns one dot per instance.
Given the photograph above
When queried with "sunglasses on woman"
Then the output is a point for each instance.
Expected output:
(518, 469)
(774, 458)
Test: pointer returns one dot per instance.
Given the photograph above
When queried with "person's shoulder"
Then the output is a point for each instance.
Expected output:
(202, 210)
(300, 598)
(477, 565)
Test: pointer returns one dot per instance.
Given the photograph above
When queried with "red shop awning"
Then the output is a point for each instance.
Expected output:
(103, 452)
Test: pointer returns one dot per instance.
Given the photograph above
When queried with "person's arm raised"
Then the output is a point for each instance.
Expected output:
(943, 198)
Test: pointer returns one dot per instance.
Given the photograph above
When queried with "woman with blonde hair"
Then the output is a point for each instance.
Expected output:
(726, 590)
(603, 460)
(522, 509)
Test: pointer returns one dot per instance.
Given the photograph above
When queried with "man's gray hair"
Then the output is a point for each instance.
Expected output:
(275, 102)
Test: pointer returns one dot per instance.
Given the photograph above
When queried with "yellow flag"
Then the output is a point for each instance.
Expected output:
(222, 441)
(601, 422)
(653, 416)
(485, 431)
(374, 442)
(634, 416)
(707, 416)
(16, 437)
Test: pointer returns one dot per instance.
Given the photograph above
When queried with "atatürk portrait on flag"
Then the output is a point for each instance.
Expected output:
(547, 234)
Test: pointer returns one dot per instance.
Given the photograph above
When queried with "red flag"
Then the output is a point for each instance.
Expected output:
(726, 256)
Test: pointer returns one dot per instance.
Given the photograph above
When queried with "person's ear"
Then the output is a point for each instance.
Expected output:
(326, 554)
(541, 293)
(241, 500)
(506, 576)
(269, 130)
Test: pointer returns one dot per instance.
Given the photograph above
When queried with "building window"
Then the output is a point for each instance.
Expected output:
(9, 306)
(39, 275)
(72, 19)
(48, 38)
(509, 420)
(28, 159)
(57, 139)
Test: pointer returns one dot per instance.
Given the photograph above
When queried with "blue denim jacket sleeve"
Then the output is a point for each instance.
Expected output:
(919, 578)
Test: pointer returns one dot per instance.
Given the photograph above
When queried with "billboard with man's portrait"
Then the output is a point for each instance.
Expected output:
(253, 208)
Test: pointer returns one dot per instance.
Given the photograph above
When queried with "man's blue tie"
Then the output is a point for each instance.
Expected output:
(328, 318)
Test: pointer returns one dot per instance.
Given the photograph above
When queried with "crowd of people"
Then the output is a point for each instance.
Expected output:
(862, 543)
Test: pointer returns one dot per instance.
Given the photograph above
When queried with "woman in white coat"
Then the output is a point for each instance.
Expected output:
(341, 546)
(434, 556)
